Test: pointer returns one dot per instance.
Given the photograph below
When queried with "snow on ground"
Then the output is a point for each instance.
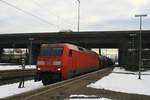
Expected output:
(127, 83)
(86, 97)
(122, 70)
(12, 89)
(12, 67)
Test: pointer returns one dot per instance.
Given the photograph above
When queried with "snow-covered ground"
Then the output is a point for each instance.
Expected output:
(12, 67)
(128, 83)
(119, 82)
(86, 97)
(12, 89)
(122, 70)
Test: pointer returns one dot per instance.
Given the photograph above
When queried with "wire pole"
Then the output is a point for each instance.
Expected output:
(78, 15)
(30, 51)
(140, 43)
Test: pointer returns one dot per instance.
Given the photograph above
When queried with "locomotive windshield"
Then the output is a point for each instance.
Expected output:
(51, 51)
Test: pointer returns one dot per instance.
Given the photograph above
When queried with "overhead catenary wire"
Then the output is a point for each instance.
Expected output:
(28, 13)
(39, 5)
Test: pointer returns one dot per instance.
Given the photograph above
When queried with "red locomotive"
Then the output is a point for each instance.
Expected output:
(62, 61)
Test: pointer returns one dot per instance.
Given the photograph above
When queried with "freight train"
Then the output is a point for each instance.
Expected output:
(63, 61)
(106, 61)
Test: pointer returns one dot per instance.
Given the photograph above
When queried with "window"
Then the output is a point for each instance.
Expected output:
(70, 53)
(51, 51)
(45, 51)
(81, 49)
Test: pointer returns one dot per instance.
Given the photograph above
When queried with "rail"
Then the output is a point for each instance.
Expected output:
(52, 87)
(8, 76)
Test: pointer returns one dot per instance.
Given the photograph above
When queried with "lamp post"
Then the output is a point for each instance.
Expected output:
(78, 15)
(140, 43)
(30, 51)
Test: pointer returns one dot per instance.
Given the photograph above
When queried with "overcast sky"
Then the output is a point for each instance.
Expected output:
(96, 15)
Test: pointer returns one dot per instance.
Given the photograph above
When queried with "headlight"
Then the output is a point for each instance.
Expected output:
(40, 63)
(58, 69)
(38, 68)
(56, 62)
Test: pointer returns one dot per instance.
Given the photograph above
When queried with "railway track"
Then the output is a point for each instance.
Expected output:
(10, 76)
(54, 90)
(77, 86)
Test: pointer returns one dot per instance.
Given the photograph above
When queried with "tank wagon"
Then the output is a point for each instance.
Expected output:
(106, 61)
(63, 61)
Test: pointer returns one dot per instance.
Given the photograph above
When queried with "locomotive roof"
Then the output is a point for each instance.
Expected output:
(71, 46)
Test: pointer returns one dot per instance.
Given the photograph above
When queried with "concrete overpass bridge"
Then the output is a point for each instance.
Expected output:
(126, 41)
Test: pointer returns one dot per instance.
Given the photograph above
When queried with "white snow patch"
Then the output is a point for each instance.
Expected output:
(120, 69)
(12, 67)
(12, 89)
(127, 83)
(86, 97)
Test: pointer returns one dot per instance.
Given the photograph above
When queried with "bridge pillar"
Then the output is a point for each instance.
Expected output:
(1, 51)
(34, 54)
(123, 54)
(146, 56)
(133, 59)
(99, 51)
(128, 55)
(133, 53)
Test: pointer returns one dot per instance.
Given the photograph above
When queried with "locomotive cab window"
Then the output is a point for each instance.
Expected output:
(51, 51)
(70, 53)
(81, 49)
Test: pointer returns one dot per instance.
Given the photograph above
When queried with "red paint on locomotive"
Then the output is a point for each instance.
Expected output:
(66, 60)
